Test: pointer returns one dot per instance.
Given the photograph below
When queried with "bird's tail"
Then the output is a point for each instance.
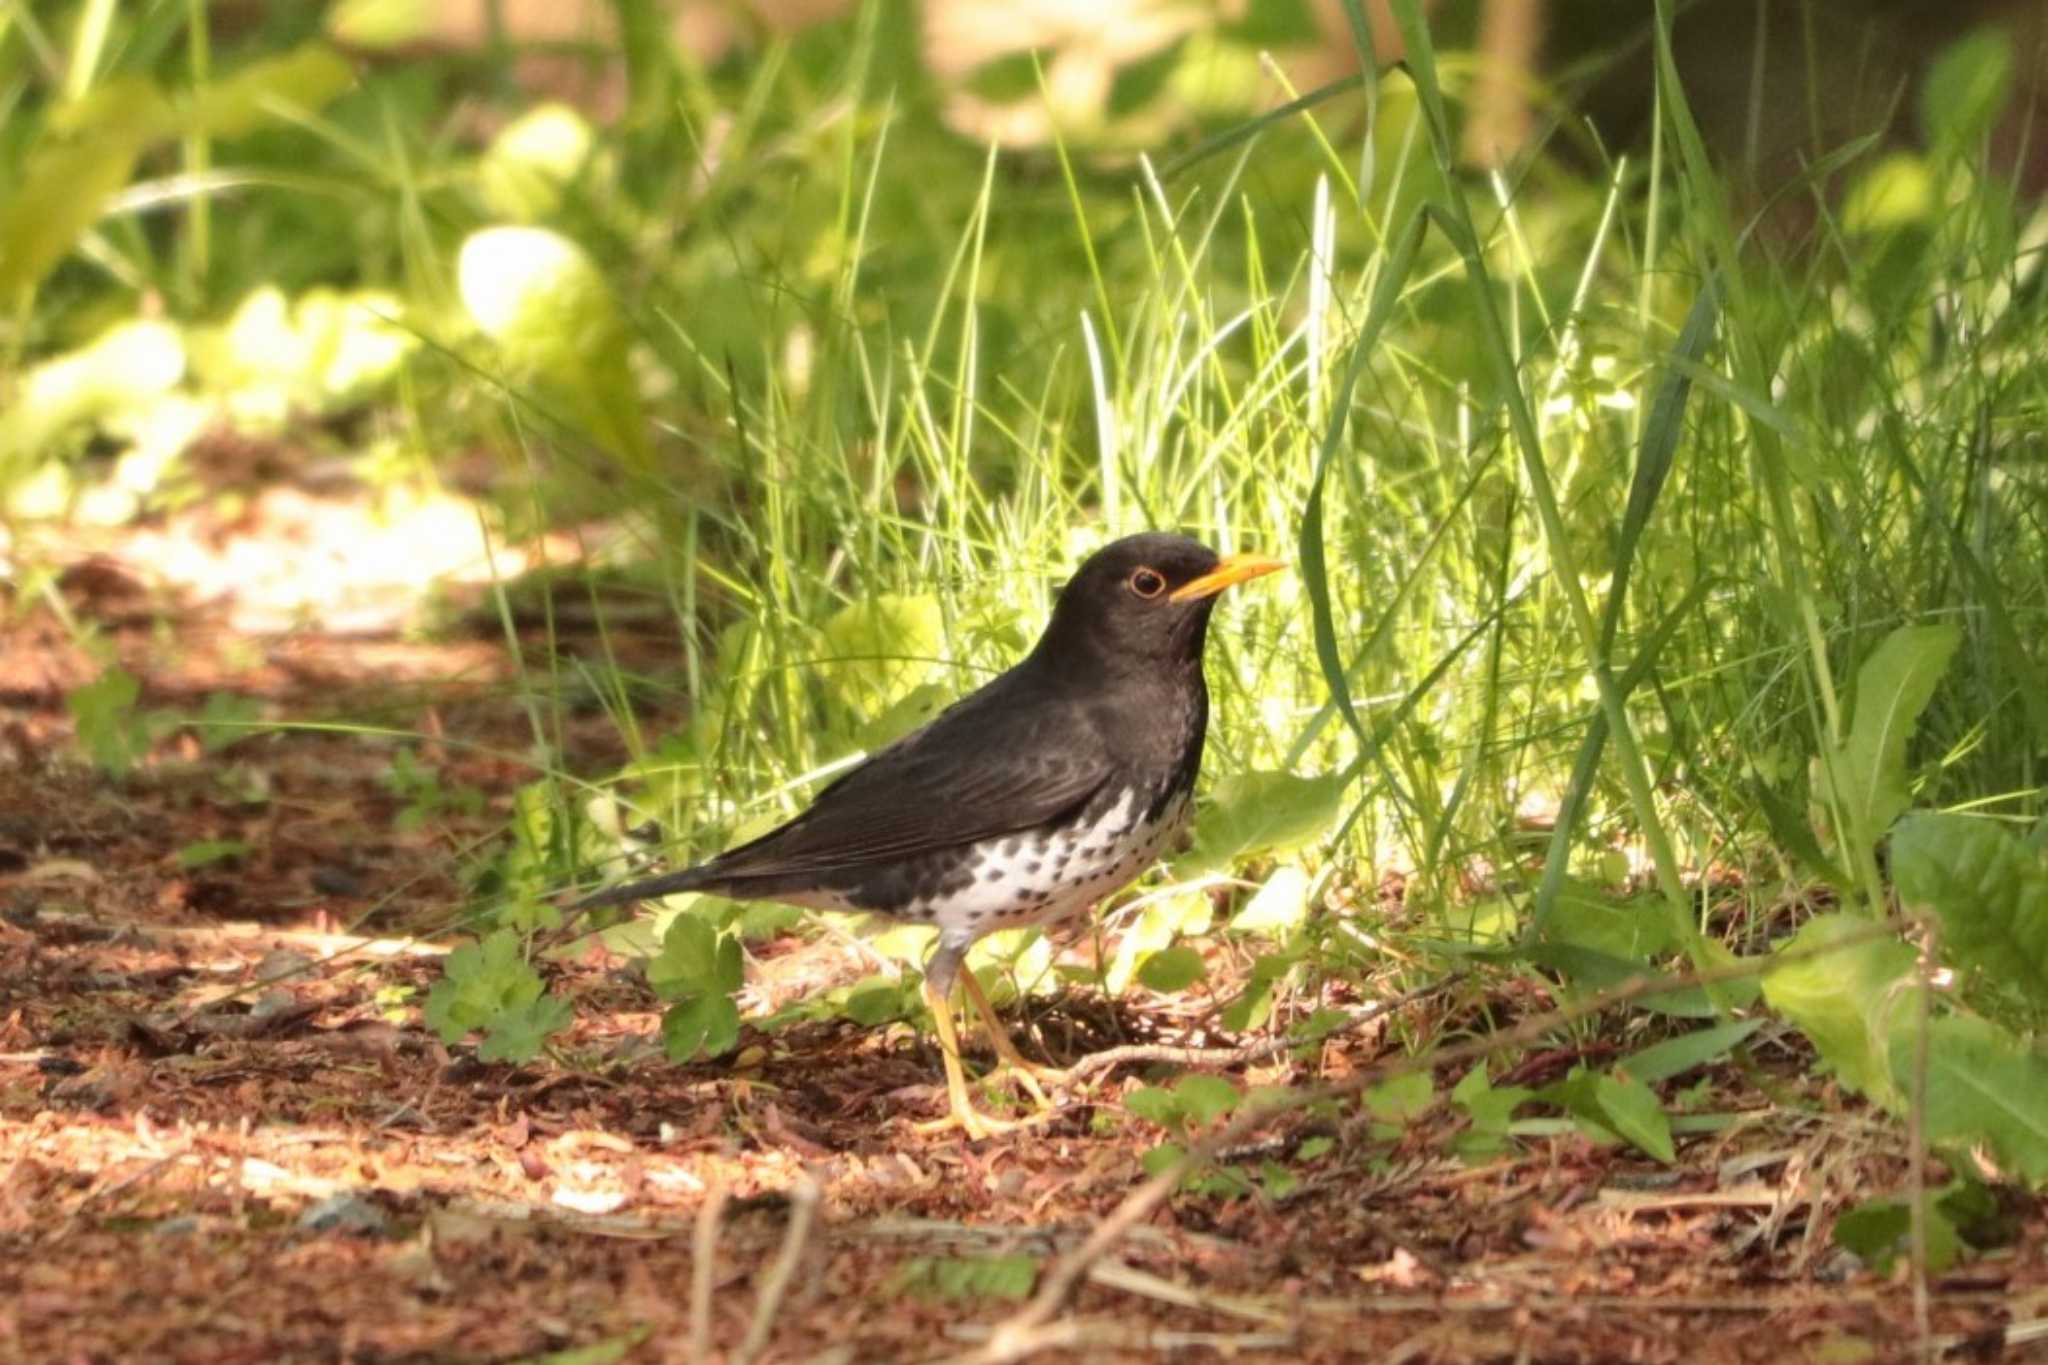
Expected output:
(688, 879)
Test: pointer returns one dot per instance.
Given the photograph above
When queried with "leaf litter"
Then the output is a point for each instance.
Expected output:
(227, 1134)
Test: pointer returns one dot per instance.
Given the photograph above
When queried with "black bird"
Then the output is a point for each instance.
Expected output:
(1032, 798)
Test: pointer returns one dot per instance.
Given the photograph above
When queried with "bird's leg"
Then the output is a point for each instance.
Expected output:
(1031, 1075)
(964, 1115)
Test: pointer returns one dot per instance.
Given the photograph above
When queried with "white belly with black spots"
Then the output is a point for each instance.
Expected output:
(1035, 878)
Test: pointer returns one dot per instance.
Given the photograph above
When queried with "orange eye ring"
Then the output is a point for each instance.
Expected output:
(1147, 583)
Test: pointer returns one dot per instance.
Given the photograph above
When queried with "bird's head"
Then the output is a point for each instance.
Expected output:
(1143, 601)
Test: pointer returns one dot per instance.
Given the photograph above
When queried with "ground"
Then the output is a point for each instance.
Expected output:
(226, 1135)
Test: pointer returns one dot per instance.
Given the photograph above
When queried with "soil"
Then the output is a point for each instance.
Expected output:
(226, 1135)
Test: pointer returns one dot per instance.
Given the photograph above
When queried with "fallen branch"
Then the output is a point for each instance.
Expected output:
(1249, 1053)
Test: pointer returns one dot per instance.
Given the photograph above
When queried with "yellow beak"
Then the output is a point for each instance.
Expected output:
(1233, 569)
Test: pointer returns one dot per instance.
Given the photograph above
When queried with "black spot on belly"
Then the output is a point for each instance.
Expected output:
(995, 874)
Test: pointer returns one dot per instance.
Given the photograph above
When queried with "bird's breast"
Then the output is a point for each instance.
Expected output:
(1039, 875)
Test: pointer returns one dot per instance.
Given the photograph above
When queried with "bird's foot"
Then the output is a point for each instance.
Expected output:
(1032, 1078)
(976, 1125)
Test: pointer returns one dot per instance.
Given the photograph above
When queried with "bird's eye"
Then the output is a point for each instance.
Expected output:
(1147, 583)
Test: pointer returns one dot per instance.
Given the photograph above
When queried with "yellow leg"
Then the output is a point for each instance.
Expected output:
(1029, 1074)
(963, 1115)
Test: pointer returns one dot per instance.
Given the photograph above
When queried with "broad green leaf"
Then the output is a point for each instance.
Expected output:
(1892, 688)
(1162, 920)
(957, 1279)
(1589, 969)
(1845, 1000)
(1205, 1098)
(1278, 907)
(1172, 969)
(1485, 921)
(518, 1032)
(695, 959)
(1155, 1105)
(1008, 78)
(1983, 1086)
(225, 719)
(206, 852)
(380, 24)
(1988, 889)
(1897, 191)
(1634, 930)
(913, 709)
(1163, 1157)
(86, 154)
(1634, 1111)
(877, 1000)
(1489, 1110)
(1260, 812)
(1137, 81)
(103, 711)
(1675, 1056)
(1879, 1231)
(708, 1025)
(878, 651)
(479, 983)
(540, 297)
(1273, 23)
(305, 78)
(1967, 86)
(1400, 1099)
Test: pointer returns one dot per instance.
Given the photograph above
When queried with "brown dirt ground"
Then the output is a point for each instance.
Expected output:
(225, 1134)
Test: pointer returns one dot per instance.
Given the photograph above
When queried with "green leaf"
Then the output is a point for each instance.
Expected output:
(85, 155)
(708, 1025)
(694, 961)
(1260, 812)
(1897, 191)
(1401, 1099)
(875, 1001)
(1205, 1098)
(877, 652)
(517, 1033)
(103, 711)
(1488, 1107)
(1155, 1105)
(1163, 1157)
(1845, 1000)
(225, 719)
(1277, 908)
(1633, 930)
(1489, 1111)
(1274, 23)
(490, 985)
(1163, 919)
(1966, 89)
(913, 709)
(956, 1279)
(1988, 889)
(307, 77)
(1879, 1231)
(1635, 1112)
(1676, 1056)
(208, 851)
(1983, 1086)
(1597, 971)
(1005, 80)
(1892, 688)
(1172, 969)
(1137, 82)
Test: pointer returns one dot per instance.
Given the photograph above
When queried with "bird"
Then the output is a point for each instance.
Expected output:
(1029, 800)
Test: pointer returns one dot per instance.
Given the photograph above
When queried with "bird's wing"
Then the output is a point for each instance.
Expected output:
(983, 769)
